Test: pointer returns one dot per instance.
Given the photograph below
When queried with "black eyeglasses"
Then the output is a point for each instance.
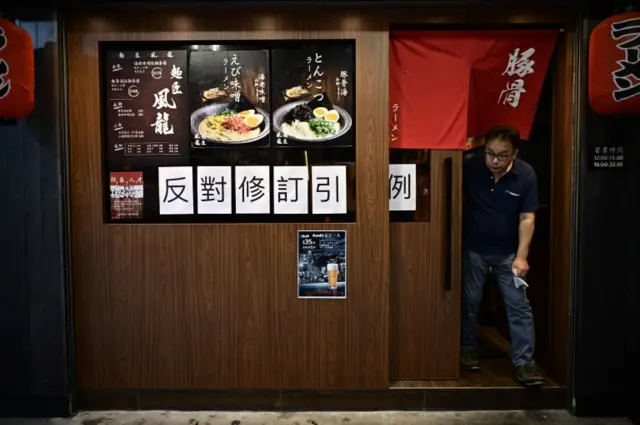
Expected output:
(500, 156)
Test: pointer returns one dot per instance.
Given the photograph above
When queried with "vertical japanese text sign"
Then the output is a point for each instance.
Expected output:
(447, 86)
(17, 75)
(511, 73)
(614, 65)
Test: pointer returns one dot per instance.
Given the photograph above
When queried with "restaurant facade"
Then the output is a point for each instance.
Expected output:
(258, 206)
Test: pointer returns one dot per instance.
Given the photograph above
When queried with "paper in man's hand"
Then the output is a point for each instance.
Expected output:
(518, 281)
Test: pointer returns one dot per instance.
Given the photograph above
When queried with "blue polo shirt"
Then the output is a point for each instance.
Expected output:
(491, 211)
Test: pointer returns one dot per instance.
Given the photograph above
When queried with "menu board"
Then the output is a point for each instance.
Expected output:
(146, 108)
(230, 132)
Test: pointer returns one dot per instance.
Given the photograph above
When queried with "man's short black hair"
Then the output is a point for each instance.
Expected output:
(505, 133)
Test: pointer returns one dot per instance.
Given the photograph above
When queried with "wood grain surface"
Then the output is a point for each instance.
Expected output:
(425, 317)
(215, 306)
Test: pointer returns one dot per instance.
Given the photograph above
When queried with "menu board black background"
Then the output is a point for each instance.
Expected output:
(136, 95)
(312, 154)
(290, 68)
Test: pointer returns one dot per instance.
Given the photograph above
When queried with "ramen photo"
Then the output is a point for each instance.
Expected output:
(315, 120)
(231, 126)
(307, 124)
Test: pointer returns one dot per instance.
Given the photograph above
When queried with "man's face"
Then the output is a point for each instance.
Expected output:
(499, 155)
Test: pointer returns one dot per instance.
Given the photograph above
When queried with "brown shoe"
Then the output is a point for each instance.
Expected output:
(528, 375)
(469, 361)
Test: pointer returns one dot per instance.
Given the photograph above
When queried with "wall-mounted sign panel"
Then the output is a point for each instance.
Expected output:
(232, 132)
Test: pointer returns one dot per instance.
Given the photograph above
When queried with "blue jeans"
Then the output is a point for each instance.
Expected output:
(475, 268)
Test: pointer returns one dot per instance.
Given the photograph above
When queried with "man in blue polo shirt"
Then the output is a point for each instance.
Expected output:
(500, 199)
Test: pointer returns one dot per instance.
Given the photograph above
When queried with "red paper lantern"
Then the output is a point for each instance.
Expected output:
(17, 77)
(614, 65)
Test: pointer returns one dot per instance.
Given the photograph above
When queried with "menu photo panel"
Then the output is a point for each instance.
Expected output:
(230, 104)
(229, 132)
(313, 88)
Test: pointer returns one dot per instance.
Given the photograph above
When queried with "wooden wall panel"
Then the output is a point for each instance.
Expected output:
(215, 306)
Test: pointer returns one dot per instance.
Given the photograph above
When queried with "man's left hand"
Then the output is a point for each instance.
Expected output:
(521, 266)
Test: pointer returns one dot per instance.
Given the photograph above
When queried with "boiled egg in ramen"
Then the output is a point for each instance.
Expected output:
(253, 121)
(332, 116)
(319, 112)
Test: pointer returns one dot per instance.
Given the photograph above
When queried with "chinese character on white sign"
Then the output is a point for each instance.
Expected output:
(627, 76)
(175, 190)
(402, 187)
(252, 190)
(214, 190)
(290, 190)
(329, 186)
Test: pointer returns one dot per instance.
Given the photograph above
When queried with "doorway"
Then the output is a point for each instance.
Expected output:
(425, 294)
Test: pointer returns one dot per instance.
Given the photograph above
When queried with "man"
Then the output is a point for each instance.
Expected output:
(500, 200)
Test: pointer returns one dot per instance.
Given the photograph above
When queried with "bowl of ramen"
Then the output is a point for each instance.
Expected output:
(230, 123)
(316, 120)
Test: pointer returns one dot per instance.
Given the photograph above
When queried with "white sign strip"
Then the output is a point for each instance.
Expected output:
(290, 190)
(175, 190)
(402, 187)
(252, 189)
(215, 189)
(329, 187)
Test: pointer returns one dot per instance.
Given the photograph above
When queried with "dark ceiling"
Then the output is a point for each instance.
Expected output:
(22, 8)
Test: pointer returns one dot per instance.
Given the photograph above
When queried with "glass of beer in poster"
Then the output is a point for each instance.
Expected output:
(332, 274)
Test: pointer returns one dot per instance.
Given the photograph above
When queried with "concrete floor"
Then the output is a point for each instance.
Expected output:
(319, 418)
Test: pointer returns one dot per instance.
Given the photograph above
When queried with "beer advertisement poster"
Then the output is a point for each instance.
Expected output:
(322, 264)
